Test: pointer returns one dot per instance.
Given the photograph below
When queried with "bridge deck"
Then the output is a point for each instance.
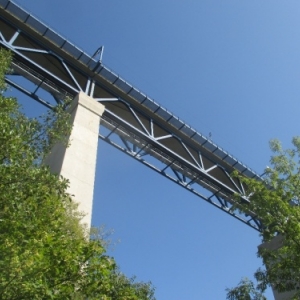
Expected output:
(132, 121)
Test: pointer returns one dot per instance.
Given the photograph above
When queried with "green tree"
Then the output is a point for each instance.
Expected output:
(44, 251)
(276, 202)
(245, 291)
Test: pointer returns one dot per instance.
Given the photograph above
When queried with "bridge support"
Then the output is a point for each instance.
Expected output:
(77, 162)
(274, 244)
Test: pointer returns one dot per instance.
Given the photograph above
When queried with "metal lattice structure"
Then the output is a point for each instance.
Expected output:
(132, 122)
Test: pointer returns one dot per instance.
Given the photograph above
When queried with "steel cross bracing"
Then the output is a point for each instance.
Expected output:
(132, 122)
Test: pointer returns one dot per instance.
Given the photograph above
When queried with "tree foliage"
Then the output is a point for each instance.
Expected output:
(276, 202)
(44, 252)
(245, 291)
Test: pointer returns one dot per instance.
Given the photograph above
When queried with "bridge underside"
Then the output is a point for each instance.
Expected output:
(132, 122)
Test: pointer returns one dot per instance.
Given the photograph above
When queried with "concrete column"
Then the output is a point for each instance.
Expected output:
(276, 243)
(78, 161)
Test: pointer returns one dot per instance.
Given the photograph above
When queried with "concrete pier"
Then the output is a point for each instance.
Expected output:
(78, 161)
(276, 243)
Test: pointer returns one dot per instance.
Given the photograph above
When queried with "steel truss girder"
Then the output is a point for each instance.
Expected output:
(130, 126)
(122, 138)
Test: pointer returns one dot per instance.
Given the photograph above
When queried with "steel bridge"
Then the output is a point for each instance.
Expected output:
(132, 121)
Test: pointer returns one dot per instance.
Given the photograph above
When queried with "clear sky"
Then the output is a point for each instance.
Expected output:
(226, 67)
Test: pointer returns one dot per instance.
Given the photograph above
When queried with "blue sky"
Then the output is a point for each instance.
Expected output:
(226, 67)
